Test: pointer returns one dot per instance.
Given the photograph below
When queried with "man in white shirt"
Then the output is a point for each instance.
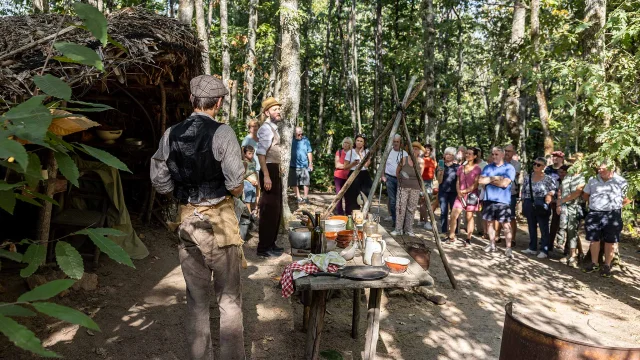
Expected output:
(395, 157)
(509, 153)
(270, 156)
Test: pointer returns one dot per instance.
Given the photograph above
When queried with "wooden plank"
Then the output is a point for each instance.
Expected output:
(316, 322)
(373, 324)
(355, 315)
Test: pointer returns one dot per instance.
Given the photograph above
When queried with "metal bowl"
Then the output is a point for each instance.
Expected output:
(334, 225)
(300, 238)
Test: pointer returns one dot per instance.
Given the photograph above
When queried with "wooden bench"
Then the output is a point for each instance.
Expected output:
(318, 286)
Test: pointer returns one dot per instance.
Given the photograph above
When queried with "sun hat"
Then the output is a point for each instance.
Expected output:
(416, 144)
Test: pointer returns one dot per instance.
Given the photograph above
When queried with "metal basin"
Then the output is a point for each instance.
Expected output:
(523, 342)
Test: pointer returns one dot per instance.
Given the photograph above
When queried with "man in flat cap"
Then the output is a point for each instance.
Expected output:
(199, 162)
(270, 156)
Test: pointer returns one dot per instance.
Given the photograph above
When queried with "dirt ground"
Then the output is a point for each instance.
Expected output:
(141, 311)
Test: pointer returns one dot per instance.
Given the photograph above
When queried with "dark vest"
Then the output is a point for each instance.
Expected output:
(196, 174)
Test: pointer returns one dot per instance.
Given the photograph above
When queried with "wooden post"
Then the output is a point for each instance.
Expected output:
(409, 96)
(355, 315)
(316, 322)
(432, 216)
(44, 219)
(373, 324)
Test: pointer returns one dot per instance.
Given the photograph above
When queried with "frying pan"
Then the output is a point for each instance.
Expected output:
(358, 272)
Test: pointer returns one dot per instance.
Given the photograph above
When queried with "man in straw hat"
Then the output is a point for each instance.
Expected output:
(270, 156)
(199, 162)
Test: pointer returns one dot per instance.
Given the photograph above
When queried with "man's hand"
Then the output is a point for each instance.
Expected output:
(267, 183)
(310, 167)
(254, 183)
(559, 209)
(384, 179)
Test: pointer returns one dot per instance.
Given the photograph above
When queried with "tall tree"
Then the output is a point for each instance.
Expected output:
(41, 6)
(250, 65)
(541, 96)
(461, 127)
(290, 91)
(326, 72)
(210, 14)
(377, 84)
(203, 34)
(428, 43)
(233, 115)
(346, 76)
(515, 81)
(593, 43)
(273, 87)
(185, 11)
(353, 35)
(226, 58)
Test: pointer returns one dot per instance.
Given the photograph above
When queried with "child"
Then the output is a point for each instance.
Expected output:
(250, 179)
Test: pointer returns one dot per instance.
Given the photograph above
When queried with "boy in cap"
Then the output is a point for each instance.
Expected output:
(270, 155)
(199, 162)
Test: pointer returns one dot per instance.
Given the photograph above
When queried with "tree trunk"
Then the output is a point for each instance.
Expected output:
(593, 42)
(377, 84)
(249, 73)
(459, 81)
(290, 95)
(234, 101)
(203, 34)
(428, 43)
(170, 10)
(348, 89)
(326, 70)
(210, 14)
(540, 94)
(275, 65)
(226, 59)
(513, 99)
(40, 6)
(185, 11)
(307, 97)
(354, 64)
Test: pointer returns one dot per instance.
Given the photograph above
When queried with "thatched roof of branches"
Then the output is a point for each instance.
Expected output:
(157, 48)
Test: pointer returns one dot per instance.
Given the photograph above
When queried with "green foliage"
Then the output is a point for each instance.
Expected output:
(66, 314)
(104, 157)
(53, 86)
(107, 246)
(46, 291)
(23, 337)
(34, 257)
(94, 21)
(67, 167)
(14, 310)
(79, 54)
(69, 260)
(331, 355)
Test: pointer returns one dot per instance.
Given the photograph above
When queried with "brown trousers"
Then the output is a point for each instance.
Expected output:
(200, 257)
(270, 208)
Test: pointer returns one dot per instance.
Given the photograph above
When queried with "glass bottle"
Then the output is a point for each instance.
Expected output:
(350, 224)
(317, 236)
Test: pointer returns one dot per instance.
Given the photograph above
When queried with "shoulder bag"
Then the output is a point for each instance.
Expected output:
(540, 208)
(472, 197)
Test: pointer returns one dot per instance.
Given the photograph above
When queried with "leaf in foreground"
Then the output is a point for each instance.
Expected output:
(7, 201)
(53, 86)
(66, 314)
(15, 256)
(94, 20)
(69, 260)
(34, 172)
(34, 256)
(13, 149)
(105, 157)
(46, 291)
(107, 246)
(80, 54)
(14, 310)
(23, 337)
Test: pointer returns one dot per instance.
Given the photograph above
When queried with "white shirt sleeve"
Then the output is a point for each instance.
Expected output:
(348, 156)
(265, 138)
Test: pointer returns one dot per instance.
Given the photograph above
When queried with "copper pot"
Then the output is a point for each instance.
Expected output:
(421, 254)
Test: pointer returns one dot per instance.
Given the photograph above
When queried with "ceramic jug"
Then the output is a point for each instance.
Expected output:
(373, 243)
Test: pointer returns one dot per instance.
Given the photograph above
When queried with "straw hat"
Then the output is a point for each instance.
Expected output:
(416, 144)
(269, 103)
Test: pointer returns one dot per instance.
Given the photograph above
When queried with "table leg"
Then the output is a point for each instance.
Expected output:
(373, 324)
(306, 301)
(316, 322)
(355, 315)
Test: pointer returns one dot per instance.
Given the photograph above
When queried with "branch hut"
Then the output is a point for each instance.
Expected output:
(147, 68)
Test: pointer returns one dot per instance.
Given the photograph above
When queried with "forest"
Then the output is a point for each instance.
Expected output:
(543, 75)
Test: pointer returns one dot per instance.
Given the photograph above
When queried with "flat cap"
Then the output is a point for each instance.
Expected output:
(207, 86)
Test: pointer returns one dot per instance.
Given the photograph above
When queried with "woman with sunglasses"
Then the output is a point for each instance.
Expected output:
(536, 207)
(363, 181)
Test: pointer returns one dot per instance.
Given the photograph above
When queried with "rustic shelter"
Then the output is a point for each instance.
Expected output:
(148, 63)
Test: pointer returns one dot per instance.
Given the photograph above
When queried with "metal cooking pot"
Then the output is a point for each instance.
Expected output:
(300, 237)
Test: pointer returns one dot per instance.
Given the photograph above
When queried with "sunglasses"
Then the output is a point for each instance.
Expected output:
(298, 134)
(362, 136)
(538, 165)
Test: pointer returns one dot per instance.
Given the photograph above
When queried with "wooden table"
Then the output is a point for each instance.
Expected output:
(318, 286)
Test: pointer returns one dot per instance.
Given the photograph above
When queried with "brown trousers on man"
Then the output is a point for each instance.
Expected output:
(270, 208)
(200, 258)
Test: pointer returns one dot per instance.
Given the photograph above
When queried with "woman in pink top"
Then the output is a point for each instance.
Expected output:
(340, 174)
(468, 175)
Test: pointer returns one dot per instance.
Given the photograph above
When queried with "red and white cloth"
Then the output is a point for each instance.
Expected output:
(308, 267)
